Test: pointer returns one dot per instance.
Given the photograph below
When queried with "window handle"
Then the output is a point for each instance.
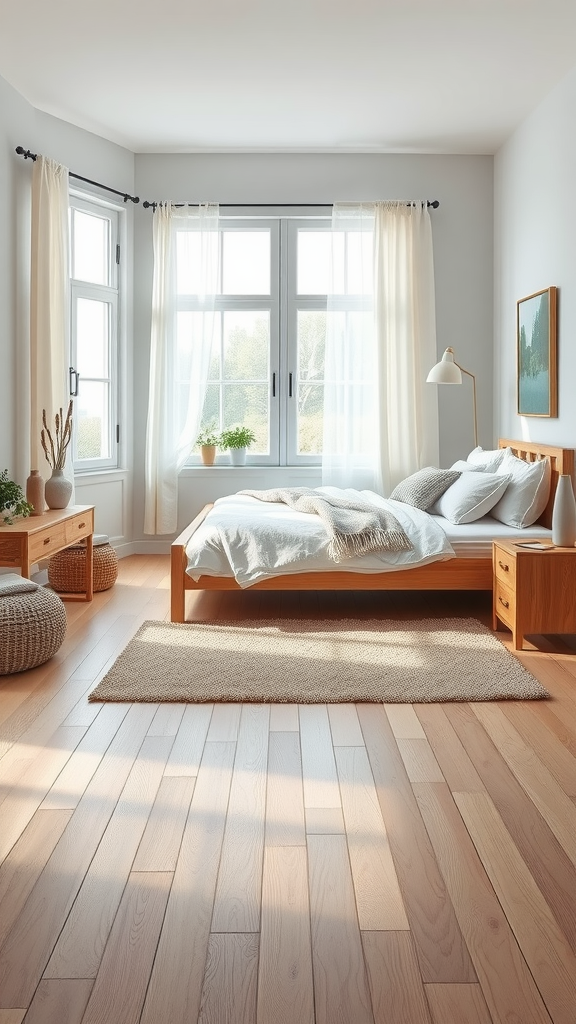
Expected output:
(274, 385)
(73, 377)
(289, 385)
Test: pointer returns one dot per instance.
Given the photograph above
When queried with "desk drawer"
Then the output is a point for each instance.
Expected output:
(47, 542)
(79, 527)
(505, 567)
(504, 603)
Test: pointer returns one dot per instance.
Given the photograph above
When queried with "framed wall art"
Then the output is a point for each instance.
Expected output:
(536, 354)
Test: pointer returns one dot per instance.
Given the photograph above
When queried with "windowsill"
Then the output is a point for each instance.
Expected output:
(92, 474)
(222, 468)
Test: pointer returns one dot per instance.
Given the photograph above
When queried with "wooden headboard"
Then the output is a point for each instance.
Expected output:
(561, 462)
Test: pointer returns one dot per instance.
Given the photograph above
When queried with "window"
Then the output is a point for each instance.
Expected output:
(267, 369)
(94, 292)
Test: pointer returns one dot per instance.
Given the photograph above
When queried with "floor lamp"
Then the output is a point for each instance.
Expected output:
(448, 371)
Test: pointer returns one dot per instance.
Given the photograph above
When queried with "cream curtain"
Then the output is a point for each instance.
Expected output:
(186, 279)
(49, 300)
(380, 419)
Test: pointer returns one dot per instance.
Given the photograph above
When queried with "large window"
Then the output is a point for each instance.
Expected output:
(267, 369)
(94, 285)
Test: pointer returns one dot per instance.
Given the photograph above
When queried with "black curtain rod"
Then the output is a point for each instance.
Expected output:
(33, 156)
(432, 203)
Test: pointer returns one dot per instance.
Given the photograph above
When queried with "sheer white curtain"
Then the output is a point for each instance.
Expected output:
(186, 279)
(49, 301)
(405, 321)
(380, 420)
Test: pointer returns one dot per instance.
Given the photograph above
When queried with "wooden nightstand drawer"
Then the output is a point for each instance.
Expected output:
(504, 603)
(47, 542)
(504, 567)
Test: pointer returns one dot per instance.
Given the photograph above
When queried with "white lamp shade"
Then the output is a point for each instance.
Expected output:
(446, 371)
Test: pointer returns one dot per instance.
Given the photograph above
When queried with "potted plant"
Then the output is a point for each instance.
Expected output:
(237, 441)
(58, 488)
(12, 500)
(207, 441)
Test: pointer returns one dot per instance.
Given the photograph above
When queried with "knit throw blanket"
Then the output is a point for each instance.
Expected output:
(354, 526)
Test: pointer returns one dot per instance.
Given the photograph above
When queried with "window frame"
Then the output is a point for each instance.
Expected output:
(108, 293)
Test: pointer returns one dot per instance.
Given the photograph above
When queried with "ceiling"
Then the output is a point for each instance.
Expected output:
(426, 76)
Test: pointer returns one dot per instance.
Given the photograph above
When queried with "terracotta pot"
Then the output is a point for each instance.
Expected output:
(208, 454)
(35, 492)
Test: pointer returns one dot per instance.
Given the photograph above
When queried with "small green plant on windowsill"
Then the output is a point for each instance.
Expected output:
(237, 441)
(208, 439)
(12, 500)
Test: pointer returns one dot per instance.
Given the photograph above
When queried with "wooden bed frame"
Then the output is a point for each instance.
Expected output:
(453, 574)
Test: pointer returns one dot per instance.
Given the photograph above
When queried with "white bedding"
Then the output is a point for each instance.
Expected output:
(474, 540)
(251, 540)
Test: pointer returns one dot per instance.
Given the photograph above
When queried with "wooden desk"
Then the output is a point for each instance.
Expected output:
(28, 540)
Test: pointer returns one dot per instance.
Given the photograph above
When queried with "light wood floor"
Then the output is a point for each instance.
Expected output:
(407, 864)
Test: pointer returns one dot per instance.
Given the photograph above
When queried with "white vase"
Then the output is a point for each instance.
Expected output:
(58, 490)
(238, 456)
(564, 514)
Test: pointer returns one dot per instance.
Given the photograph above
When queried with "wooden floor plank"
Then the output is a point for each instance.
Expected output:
(507, 984)
(324, 821)
(285, 825)
(341, 990)
(24, 865)
(378, 897)
(58, 1001)
(285, 986)
(224, 723)
(457, 768)
(457, 1004)
(284, 718)
(544, 947)
(344, 725)
(160, 843)
(166, 721)
(78, 951)
(186, 929)
(12, 1016)
(419, 761)
(394, 976)
(440, 947)
(80, 767)
(29, 943)
(229, 994)
(318, 764)
(547, 795)
(239, 889)
(404, 722)
(120, 987)
(188, 746)
(557, 758)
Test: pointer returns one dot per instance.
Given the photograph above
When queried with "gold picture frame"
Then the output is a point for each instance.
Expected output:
(536, 354)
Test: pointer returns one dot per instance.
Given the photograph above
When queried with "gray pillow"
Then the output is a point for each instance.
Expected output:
(424, 487)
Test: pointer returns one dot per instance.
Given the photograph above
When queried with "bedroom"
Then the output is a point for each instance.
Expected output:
(504, 228)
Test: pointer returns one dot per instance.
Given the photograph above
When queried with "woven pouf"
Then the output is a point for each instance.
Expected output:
(67, 569)
(32, 624)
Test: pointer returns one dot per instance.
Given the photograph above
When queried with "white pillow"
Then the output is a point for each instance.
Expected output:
(470, 497)
(527, 493)
(465, 467)
(487, 461)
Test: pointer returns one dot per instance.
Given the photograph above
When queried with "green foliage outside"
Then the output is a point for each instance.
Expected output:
(12, 500)
(89, 438)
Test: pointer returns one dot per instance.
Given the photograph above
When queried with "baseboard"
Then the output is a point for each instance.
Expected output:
(143, 547)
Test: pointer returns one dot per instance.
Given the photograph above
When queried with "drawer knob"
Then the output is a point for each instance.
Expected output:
(81, 526)
(46, 540)
(505, 603)
(502, 566)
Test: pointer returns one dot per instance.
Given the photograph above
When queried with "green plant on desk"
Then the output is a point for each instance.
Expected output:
(12, 500)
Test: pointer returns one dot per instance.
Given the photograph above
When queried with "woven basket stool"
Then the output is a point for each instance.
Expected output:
(32, 625)
(67, 569)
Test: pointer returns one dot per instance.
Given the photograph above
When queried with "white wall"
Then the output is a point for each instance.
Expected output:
(535, 247)
(100, 160)
(463, 245)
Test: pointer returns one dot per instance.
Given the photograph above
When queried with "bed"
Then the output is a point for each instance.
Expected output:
(471, 569)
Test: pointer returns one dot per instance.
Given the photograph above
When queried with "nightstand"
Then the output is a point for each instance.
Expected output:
(533, 591)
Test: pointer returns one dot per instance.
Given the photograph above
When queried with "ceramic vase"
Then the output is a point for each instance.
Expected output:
(58, 490)
(564, 514)
(35, 492)
(238, 456)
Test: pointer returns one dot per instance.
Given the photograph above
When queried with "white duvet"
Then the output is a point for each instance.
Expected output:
(252, 540)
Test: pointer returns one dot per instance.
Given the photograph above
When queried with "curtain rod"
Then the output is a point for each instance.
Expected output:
(33, 156)
(431, 203)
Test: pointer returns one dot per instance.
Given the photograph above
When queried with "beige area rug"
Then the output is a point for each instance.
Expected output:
(317, 662)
